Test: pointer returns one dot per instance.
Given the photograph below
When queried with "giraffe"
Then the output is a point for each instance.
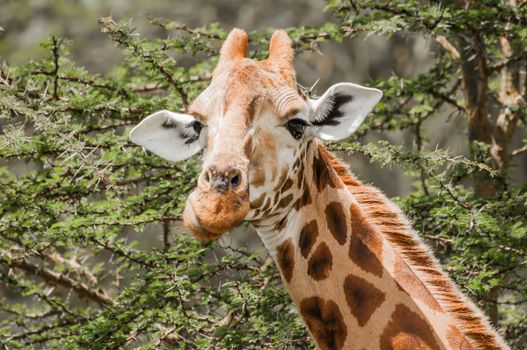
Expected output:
(358, 274)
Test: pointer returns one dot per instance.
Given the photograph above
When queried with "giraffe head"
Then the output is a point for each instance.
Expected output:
(253, 125)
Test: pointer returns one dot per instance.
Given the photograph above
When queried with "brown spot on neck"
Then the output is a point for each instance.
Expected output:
(268, 201)
(336, 221)
(285, 257)
(407, 330)
(281, 224)
(284, 202)
(287, 185)
(363, 298)
(282, 179)
(320, 263)
(297, 162)
(307, 238)
(303, 200)
(325, 322)
(257, 203)
(301, 174)
(323, 173)
(365, 248)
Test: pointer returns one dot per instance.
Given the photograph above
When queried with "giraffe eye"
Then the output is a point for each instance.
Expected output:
(296, 127)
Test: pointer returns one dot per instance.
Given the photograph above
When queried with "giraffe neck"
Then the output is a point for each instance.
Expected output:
(360, 277)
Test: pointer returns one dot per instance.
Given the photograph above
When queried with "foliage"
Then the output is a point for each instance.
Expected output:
(68, 258)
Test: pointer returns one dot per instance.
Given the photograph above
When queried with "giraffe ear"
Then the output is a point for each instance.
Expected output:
(170, 135)
(235, 46)
(281, 49)
(342, 108)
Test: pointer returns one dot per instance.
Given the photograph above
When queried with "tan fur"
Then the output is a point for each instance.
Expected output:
(235, 46)
(217, 213)
(280, 50)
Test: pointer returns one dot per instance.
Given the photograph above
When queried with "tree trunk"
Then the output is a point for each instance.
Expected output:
(475, 83)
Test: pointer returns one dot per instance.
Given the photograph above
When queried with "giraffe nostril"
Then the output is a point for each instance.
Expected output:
(235, 181)
(222, 180)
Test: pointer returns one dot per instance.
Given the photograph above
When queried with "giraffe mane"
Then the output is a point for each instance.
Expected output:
(394, 225)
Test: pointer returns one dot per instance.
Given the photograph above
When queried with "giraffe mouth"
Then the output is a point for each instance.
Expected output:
(210, 214)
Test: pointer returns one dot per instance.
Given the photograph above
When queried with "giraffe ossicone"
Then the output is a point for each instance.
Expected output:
(359, 275)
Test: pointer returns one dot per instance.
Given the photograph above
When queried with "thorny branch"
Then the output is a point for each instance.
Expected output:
(56, 55)
(54, 278)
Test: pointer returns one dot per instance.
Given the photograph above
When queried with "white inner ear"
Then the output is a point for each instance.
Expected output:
(342, 109)
(169, 135)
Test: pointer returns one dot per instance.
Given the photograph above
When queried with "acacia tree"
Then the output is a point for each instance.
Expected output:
(71, 273)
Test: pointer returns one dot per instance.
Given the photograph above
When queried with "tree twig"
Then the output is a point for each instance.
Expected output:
(54, 278)
(447, 46)
(56, 55)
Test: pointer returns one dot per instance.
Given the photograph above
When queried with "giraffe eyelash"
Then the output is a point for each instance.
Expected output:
(192, 129)
(169, 123)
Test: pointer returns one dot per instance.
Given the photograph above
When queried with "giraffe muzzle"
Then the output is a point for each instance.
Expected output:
(219, 203)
